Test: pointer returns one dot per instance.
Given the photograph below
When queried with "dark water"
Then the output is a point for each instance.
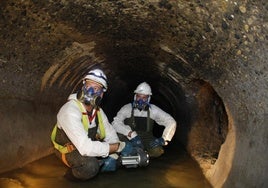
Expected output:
(174, 169)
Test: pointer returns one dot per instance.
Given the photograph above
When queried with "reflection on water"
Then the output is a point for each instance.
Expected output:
(175, 169)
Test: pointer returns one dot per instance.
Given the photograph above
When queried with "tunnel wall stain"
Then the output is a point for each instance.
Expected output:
(24, 132)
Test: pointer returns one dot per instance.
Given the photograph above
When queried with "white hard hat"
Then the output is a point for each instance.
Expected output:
(144, 89)
(98, 76)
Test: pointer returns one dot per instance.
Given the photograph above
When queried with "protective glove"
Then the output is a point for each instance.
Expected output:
(158, 142)
(109, 164)
(128, 149)
(136, 142)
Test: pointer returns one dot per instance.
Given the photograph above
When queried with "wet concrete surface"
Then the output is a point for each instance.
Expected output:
(175, 169)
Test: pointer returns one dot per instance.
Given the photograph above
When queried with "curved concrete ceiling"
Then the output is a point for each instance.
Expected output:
(205, 60)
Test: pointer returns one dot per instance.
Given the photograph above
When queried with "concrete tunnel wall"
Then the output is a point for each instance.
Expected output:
(206, 62)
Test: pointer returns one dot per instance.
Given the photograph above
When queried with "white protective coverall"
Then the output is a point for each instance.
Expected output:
(69, 119)
(158, 115)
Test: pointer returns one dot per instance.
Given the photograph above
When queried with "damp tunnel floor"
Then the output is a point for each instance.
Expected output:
(174, 169)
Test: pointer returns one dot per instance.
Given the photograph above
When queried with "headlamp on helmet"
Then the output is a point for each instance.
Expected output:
(97, 76)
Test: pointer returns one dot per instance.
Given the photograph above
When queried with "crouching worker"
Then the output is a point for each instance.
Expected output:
(83, 137)
(135, 122)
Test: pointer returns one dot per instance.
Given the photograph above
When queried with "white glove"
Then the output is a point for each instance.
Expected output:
(121, 146)
(132, 134)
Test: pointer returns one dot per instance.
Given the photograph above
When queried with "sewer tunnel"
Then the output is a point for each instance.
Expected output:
(205, 61)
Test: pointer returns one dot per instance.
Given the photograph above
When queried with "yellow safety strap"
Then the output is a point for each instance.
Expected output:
(66, 149)
(62, 149)
(86, 122)
(101, 126)
(84, 115)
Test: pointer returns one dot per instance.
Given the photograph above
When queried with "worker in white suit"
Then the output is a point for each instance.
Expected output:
(135, 122)
(83, 137)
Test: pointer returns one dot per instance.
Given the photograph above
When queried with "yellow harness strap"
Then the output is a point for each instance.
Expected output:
(69, 147)
(86, 122)
(60, 148)
(101, 126)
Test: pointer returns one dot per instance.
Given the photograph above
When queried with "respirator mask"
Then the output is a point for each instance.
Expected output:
(141, 104)
(90, 97)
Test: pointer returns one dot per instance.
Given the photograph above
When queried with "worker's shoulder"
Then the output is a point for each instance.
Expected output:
(127, 106)
(70, 105)
(154, 107)
(73, 96)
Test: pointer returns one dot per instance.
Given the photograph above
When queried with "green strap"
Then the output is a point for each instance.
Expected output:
(133, 123)
(148, 121)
